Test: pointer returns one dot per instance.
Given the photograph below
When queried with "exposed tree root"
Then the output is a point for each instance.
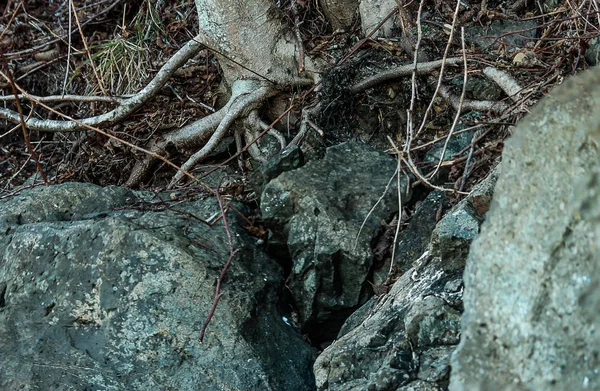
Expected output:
(257, 123)
(247, 95)
(126, 107)
(504, 81)
(404, 70)
(471, 105)
(305, 122)
(254, 126)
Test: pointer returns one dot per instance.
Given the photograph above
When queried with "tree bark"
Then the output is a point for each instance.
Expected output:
(252, 34)
(340, 13)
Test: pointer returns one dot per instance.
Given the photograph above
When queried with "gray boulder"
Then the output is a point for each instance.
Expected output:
(412, 241)
(316, 213)
(403, 340)
(532, 281)
(100, 291)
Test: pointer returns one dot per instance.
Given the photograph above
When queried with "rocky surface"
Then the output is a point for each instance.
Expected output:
(500, 33)
(592, 53)
(316, 214)
(414, 239)
(403, 340)
(455, 145)
(105, 288)
(289, 159)
(532, 282)
(98, 292)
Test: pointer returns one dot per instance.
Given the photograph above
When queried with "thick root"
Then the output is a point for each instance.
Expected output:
(210, 130)
(246, 96)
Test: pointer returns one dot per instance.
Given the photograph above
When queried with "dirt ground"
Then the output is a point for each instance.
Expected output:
(127, 42)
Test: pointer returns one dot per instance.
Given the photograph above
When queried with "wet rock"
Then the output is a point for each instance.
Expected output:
(317, 212)
(532, 282)
(95, 294)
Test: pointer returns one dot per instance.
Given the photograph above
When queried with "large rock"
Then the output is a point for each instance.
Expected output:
(403, 340)
(412, 241)
(100, 291)
(532, 282)
(316, 213)
(407, 336)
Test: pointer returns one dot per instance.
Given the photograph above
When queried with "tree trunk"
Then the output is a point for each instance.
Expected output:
(259, 56)
(250, 33)
(340, 13)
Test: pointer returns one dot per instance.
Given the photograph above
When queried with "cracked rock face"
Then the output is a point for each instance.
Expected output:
(97, 295)
(403, 340)
(316, 213)
(532, 281)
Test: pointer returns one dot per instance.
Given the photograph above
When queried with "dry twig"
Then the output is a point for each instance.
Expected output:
(232, 253)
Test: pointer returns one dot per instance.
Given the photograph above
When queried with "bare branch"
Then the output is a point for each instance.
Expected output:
(460, 104)
(102, 132)
(232, 253)
(439, 82)
(13, 55)
(187, 137)
(472, 105)
(23, 128)
(73, 10)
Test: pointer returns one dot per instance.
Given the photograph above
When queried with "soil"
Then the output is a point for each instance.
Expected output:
(147, 33)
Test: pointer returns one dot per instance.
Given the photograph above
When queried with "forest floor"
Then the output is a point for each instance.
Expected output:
(537, 45)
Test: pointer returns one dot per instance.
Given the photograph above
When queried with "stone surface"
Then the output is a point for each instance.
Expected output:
(403, 341)
(399, 339)
(340, 13)
(532, 282)
(457, 143)
(289, 159)
(453, 235)
(316, 213)
(97, 293)
(592, 53)
(414, 239)
(511, 34)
